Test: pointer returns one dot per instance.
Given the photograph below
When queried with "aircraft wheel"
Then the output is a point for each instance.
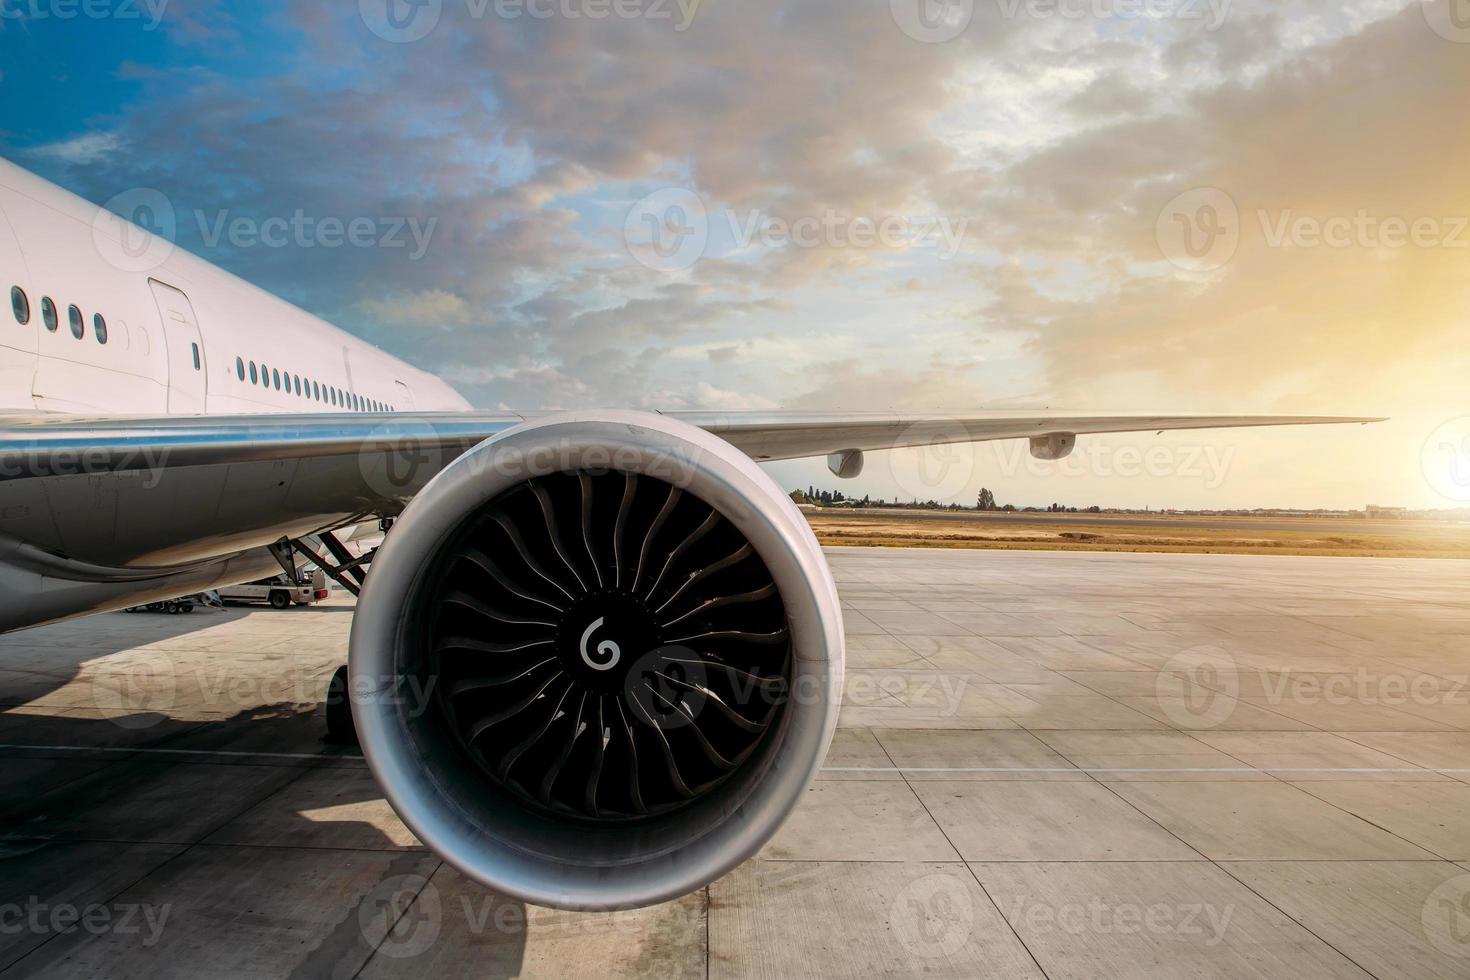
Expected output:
(340, 729)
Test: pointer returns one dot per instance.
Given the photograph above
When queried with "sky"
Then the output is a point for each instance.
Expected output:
(1167, 206)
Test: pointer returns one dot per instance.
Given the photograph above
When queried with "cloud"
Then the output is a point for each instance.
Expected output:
(89, 148)
(426, 308)
(1059, 140)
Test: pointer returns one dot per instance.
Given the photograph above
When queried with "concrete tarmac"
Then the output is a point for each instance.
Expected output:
(1049, 764)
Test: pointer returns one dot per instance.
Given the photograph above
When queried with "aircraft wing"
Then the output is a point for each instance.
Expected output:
(167, 506)
(795, 435)
(47, 445)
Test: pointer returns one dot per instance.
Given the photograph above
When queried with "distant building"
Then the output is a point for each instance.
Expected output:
(1376, 513)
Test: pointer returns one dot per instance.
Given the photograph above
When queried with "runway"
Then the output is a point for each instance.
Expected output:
(1049, 765)
(1173, 522)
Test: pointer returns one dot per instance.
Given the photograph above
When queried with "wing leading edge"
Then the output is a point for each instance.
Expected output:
(58, 445)
(794, 435)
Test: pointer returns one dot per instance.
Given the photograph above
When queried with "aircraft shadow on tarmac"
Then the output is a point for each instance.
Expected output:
(86, 818)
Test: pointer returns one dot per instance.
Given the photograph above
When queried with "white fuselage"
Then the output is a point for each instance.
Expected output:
(180, 333)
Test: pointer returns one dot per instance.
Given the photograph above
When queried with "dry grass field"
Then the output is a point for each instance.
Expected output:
(1137, 533)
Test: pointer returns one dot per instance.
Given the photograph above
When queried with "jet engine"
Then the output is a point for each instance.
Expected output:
(598, 661)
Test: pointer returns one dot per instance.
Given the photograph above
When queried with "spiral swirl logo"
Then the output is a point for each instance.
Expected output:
(401, 917)
(668, 687)
(934, 461)
(395, 464)
(1446, 460)
(135, 230)
(1198, 688)
(934, 916)
(1199, 231)
(401, 21)
(932, 21)
(1450, 19)
(1446, 917)
(668, 230)
(141, 696)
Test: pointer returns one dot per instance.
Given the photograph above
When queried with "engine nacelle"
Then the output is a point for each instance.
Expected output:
(1057, 445)
(598, 661)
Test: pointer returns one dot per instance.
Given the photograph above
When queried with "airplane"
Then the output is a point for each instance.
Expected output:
(596, 660)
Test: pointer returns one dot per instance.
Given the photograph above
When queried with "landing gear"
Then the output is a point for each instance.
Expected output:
(340, 730)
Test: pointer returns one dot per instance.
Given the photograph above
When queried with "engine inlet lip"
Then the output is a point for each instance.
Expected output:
(601, 870)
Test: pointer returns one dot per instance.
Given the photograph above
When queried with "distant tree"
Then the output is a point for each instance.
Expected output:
(987, 499)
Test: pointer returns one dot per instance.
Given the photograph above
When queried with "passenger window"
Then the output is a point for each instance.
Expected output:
(276, 379)
(99, 329)
(240, 367)
(316, 392)
(265, 376)
(196, 356)
(48, 313)
(297, 381)
(78, 325)
(20, 305)
(252, 372)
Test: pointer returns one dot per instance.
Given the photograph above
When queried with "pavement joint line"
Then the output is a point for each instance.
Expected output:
(153, 751)
(857, 769)
(1417, 769)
